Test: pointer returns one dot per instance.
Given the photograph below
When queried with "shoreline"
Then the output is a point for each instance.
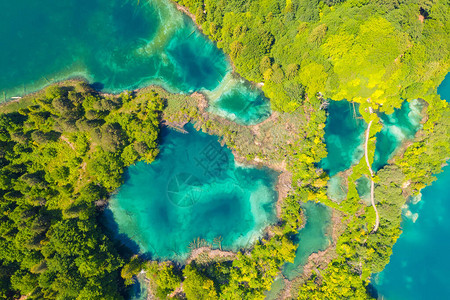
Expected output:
(317, 260)
(186, 11)
(282, 186)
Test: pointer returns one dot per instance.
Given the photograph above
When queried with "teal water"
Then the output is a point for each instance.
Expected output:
(418, 267)
(344, 136)
(398, 127)
(192, 190)
(139, 290)
(363, 189)
(116, 44)
(226, 100)
(336, 188)
(444, 88)
(311, 238)
(276, 289)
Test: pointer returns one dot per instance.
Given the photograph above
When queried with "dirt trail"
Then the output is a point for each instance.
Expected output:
(372, 184)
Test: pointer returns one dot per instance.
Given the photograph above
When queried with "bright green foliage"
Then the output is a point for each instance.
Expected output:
(337, 282)
(132, 268)
(164, 276)
(197, 286)
(426, 157)
(252, 274)
(351, 50)
(59, 157)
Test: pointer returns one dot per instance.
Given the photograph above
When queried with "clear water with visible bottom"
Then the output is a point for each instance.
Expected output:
(418, 268)
(118, 45)
(312, 238)
(139, 290)
(398, 127)
(344, 136)
(226, 100)
(276, 289)
(194, 189)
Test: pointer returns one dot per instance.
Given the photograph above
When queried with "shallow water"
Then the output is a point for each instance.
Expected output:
(344, 136)
(119, 45)
(336, 189)
(418, 268)
(193, 190)
(398, 127)
(276, 289)
(226, 100)
(311, 238)
(139, 290)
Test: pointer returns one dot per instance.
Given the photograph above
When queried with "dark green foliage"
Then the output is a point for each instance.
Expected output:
(58, 158)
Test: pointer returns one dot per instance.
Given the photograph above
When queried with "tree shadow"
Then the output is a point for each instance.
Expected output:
(97, 86)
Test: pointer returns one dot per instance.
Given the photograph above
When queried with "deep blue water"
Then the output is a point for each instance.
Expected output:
(192, 190)
(117, 44)
(419, 267)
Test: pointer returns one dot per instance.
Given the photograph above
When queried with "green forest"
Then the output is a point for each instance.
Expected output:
(63, 151)
(61, 155)
(376, 53)
(385, 50)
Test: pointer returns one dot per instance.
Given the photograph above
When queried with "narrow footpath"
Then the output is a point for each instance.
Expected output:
(372, 184)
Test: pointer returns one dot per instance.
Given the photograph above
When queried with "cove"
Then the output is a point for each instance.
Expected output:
(116, 45)
(228, 98)
(398, 127)
(418, 267)
(312, 238)
(194, 189)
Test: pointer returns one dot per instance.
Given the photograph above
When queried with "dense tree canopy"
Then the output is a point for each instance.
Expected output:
(64, 152)
(59, 156)
(376, 53)
(356, 49)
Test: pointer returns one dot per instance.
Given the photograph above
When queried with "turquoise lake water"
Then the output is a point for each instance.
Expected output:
(276, 289)
(344, 137)
(312, 238)
(139, 290)
(397, 127)
(228, 98)
(418, 268)
(192, 190)
(118, 45)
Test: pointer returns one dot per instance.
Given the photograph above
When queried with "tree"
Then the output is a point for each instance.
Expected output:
(196, 286)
